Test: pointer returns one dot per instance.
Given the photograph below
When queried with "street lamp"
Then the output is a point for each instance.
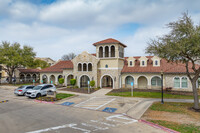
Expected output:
(162, 102)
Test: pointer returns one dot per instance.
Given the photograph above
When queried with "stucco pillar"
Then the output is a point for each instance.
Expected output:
(109, 52)
(103, 52)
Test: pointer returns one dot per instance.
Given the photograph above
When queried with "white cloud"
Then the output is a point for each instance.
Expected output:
(74, 25)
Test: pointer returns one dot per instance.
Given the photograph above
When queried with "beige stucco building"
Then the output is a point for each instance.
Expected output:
(110, 69)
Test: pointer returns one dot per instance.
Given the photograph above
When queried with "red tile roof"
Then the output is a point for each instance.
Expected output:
(109, 41)
(166, 67)
(29, 70)
(58, 67)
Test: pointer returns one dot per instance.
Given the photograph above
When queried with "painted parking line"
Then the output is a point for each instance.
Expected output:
(95, 103)
(92, 125)
(4, 101)
(67, 103)
(110, 110)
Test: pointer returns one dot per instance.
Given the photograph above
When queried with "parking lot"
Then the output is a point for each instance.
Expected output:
(21, 114)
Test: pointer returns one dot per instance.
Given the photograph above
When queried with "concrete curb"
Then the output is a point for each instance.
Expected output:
(158, 126)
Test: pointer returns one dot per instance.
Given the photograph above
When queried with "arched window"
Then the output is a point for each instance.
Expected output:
(177, 82)
(106, 51)
(106, 66)
(84, 67)
(89, 67)
(184, 83)
(112, 51)
(156, 81)
(131, 63)
(156, 63)
(79, 67)
(100, 52)
(142, 63)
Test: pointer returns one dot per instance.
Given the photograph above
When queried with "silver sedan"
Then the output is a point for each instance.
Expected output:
(22, 89)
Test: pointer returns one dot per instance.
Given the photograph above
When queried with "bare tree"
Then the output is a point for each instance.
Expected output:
(69, 56)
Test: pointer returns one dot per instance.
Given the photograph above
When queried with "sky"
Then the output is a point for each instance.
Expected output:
(57, 27)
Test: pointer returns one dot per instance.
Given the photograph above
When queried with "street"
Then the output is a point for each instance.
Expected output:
(20, 115)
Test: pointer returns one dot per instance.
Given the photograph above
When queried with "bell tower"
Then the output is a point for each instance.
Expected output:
(110, 53)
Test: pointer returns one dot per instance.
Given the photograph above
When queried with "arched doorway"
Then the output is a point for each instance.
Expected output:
(52, 79)
(69, 77)
(34, 77)
(22, 77)
(84, 81)
(28, 77)
(142, 82)
(128, 81)
(106, 82)
(44, 79)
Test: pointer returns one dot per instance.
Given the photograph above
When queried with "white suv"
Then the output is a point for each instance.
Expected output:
(40, 90)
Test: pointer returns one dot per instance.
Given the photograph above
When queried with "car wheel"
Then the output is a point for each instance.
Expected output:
(38, 95)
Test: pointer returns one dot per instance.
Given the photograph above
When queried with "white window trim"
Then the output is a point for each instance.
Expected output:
(181, 82)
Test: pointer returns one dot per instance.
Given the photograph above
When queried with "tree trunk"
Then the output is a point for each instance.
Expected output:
(10, 79)
(195, 94)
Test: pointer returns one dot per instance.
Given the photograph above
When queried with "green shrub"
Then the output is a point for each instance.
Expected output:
(73, 81)
(92, 83)
(61, 80)
(76, 87)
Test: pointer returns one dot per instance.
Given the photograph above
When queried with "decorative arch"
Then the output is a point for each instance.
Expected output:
(156, 81)
(79, 67)
(83, 81)
(84, 67)
(89, 66)
(112, 51)
(44, 79)
(52, 79)
(107, 81)
(142, 82)
(106, 51)
(100, 52)
(28, 77)
(128, 80)
(22, 77)
(69, 77)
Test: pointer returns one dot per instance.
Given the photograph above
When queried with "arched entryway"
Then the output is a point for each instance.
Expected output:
(52, 79)
(142, 82)
(128, 81)
(84, 81)
(34, 77)
(44, 79)
(22, 77)
(106, 82)
(69, 77)
(28, 77)
(156, 82)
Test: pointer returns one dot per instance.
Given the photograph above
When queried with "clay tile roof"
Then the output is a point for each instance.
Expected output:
(109, 41)
(58, 67)
(29, 70)
(93, 54)
(166, 67)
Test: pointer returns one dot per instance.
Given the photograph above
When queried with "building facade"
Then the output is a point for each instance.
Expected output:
(110, 69)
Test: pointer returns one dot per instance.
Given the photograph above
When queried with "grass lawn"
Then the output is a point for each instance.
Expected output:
(149, 95)
(172, 107)
(183, 128)
(63, 95)
(176, 109)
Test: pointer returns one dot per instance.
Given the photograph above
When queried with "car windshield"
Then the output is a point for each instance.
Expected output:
(21, 87)
(37, 87)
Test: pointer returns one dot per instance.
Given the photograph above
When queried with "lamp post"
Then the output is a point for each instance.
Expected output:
(162, 102)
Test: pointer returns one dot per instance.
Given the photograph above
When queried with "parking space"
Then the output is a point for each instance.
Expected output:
(95, 103)
(98, 125)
